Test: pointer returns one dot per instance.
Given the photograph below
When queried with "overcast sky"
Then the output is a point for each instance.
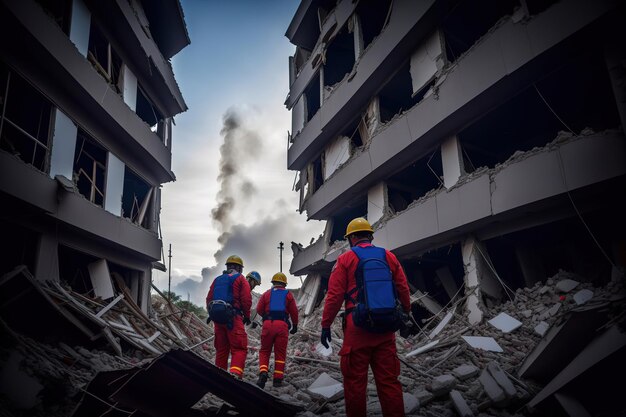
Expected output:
(233, 190)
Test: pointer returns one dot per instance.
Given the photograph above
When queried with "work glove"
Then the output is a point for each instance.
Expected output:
(255, 325)
(325, 339)
(294, 329)
(246, 321)
(208, 320)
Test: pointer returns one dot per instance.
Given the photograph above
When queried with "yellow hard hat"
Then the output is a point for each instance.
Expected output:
(234, 259)
(358, 225)
(280, 277)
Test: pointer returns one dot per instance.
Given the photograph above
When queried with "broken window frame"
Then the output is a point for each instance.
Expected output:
(141, 212)
(23, 134)
(160, 120)
(61, 17)
(110, 66)
(98, 168)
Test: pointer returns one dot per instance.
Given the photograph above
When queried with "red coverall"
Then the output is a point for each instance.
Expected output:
(275, 333)
(361, 348)
(235, 340)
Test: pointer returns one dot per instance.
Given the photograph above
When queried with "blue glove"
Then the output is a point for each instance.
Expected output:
(325, 339)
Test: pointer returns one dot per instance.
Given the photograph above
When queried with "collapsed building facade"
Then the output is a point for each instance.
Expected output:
(87, 100)
(484, 143)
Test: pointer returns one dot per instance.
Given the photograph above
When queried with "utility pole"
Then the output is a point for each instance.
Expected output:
(169, 280)
(281, 247)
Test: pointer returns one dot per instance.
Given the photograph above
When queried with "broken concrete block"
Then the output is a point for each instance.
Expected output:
(460, 405)
(484, 343)
(554, 309)
(326, 387)
(527, 313)
(582, 296)
(411, 403)
(566, 285)
(505, 323)
(423, 396)
(464, 372)
(541, 328)
(492, 389)
(544, 289)
(323, 351)
(505, 383)
(442, 384)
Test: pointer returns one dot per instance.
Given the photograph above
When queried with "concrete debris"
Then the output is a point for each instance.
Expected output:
(411, 403)
(423, 349)
(460, 405)
(566, 285)
(465, 371)
(582, 296)
(505, 322)
(492, 389)
(327, 387)
(541, 328)
(484, 343)
(498, 374)
(442, 384)
(424, 396)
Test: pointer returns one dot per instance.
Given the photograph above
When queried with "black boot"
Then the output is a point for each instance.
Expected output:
(278, 382)
(262, 380)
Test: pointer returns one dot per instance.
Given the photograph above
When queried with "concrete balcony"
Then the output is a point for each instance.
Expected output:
(529, 189)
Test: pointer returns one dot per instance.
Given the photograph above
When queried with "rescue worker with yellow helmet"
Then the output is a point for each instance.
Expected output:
(228, 303)
(277, 305)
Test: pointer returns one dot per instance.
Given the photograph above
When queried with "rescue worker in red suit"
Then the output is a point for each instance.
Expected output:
(231, 338)
(362, 348)
(276, 306)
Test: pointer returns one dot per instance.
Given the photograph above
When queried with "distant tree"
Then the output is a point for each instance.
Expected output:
(191, 307)
(172, 296)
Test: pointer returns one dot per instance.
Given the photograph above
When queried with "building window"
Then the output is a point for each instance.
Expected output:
(312, 96)
(103, 57)
(148, 112)
(373, 16)
(24, 120)
(90, 168)
(60, 11)
(137, 200)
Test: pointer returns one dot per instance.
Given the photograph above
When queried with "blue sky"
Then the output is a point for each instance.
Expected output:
(236, 65)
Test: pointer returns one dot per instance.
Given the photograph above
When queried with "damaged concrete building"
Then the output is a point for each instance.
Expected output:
(485, 144)
(87, 101)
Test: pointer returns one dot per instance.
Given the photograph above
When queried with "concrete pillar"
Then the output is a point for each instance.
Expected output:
(376, 202)
(129, 91)
(447, 280)
(358, 36)
(532, 270)
(452, 161)
(479, 280)
(63, 146)
(615, 57)
(145, 277)
(114, 185)
(47, 260)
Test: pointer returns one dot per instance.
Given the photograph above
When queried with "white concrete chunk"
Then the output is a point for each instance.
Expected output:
(505, 323)
(411, 403)
(460, 405)
(484, 343)
(422, 349)
(323, 351)
(464, 372)
(541, 328)
(442, 384)
(566, 285)
(326, 386)
(444, 321)
(582, 296)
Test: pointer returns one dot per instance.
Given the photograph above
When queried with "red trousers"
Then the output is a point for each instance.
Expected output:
(360, 350)
(275, 334)
(233, 341)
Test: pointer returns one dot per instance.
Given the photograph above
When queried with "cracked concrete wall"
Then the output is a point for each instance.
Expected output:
(426, 61)
(336, 153)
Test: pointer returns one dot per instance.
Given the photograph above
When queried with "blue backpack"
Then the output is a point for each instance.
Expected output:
(278, 305)
(376, 306)
(221, 309)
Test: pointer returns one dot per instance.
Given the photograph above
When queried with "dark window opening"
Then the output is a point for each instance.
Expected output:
(147, 111)
(20, 246)
(324, 7)
(341, 220)
(90, 168)
(395, 96)
(312, 97)
(580, 95)
(339, 57)
(532, 255)
(414, 181)
(316, 177)
(438, 273)
(137, 199)
(73, 269)
(373, 16)
(103, 57)
(537, 6)
(467, 23)
(60, 11)
(25, 121)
